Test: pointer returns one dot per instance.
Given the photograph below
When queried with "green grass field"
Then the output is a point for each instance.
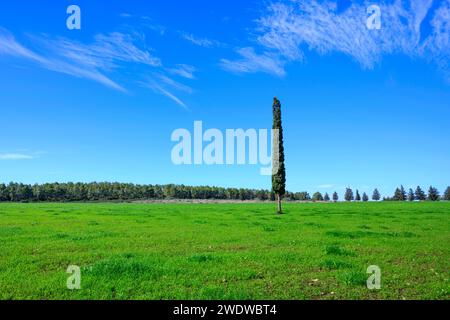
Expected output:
(225, 251)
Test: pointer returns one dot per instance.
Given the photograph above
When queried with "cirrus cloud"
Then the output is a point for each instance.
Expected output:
(288, 30)
(15, 156)
(96, 61)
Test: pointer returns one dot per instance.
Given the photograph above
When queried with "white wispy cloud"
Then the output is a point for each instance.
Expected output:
(174, 84)
(9, 46)
(319, 26)
(121, 47)
(64, 56)
(164, 85)
(289, 29)
(170, 96)
(198, 41)
(105, 53)
(252, 62)
(16, 156)
(157, 88)
(437, 46)
(184, 70)
(97, 60)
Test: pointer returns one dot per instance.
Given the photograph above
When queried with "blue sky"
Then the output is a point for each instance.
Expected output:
(362, 108)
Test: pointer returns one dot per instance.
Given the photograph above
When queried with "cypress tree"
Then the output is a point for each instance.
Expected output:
(279, 171)
(403, 193)
(376, 195)
(433, 194)
(3, 195)
(447, 194)
(348, 195)
(358, 197)
(365, 197)
(400, 194)
(326, 197)
(411, 196)
(420, 194)
(335, 197)
(397, 195)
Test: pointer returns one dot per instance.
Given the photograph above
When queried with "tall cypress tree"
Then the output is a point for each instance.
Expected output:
(279, 171)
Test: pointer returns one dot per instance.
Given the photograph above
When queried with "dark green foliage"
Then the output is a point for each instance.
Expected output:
(399, 194)
(302, 196)
(272, 196)
(365, 197)
(357, 197)
(353, 277)
(376, 196)
(289, 196)
(446, 195)
(106, 191)
(433, 194)
(348, 195)
(326, 197)
(3, 193)
(335, 197)
(411, 196)
(279, 177)
(420, 194)
(262, 195)
(337, 250)
(317, 197)
(114, 191)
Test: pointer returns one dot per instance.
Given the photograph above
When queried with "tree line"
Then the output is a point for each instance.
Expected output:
(111, 191)
(400, 194)
(115, 191)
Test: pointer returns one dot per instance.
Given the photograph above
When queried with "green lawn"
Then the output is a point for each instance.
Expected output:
(225, 251)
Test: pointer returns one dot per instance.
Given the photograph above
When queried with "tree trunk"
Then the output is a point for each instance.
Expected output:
(279, 211)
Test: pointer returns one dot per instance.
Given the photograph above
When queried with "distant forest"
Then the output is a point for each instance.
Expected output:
(107, 191)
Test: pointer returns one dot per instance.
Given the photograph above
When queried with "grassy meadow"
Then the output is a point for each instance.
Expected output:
(225, 251)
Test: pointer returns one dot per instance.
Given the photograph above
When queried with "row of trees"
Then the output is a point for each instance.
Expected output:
(105, 191)
(348, 196)
(400, 194)
(432, 195)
